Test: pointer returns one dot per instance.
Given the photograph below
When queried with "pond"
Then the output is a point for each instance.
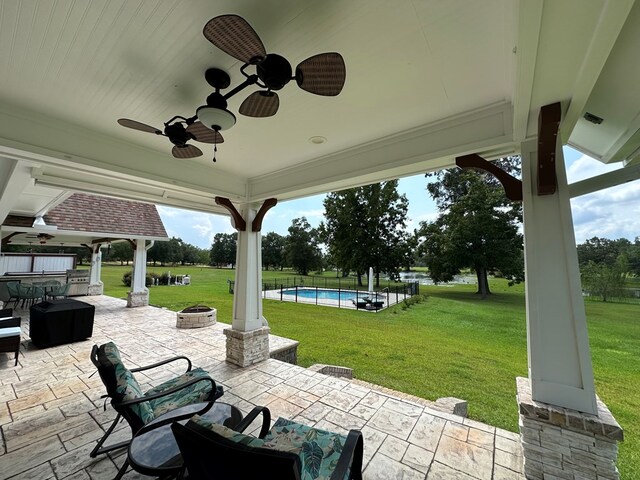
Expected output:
(424, 279)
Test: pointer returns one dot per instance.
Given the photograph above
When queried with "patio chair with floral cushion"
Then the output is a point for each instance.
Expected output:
(288, 451)
(138, 408)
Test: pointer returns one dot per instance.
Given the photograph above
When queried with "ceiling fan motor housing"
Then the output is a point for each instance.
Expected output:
(274, 71)
(177, 134)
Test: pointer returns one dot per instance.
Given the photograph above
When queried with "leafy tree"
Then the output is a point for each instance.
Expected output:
(301, 247)
(223, 249)
(633, 257)
(602, 250)
(121, 252)
(190, 254)
(365, 228)
(166, 252)
(273, 246)
(604, 280)
(477, 227)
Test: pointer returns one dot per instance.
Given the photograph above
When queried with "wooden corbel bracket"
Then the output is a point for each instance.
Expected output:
(512, 186)
(548, 125)
(94, 247)
(269, 203)
(7, 240)
(236, 219)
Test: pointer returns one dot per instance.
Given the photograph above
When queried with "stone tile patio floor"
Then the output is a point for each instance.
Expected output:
(51, 413)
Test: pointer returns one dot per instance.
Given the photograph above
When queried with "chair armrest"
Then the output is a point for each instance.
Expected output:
(10, 322)
(163, 362)
(168, 418)
(351, 457)
(246, 421)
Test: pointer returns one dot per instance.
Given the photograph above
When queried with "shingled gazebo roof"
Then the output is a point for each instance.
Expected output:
(91, 214)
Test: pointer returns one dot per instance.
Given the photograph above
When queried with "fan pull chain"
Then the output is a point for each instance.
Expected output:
(215, 149)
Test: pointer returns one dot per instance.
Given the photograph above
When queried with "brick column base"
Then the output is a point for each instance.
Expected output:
(247, 348)
(137, 299)
(566, 444)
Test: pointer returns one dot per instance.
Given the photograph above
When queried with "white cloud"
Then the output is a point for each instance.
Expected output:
(587, 167)
(169, 212)
(611, 213)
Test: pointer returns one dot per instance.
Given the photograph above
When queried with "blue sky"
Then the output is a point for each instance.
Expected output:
(611, 213)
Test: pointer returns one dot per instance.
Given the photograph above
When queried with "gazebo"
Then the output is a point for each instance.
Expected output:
(429, 84)
(56, 217)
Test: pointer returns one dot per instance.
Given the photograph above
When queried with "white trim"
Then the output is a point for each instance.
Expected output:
(529, 19)
(606, 180)
(612, 18)
(429, 147)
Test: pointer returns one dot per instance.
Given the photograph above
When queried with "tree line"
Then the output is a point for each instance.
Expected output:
(477, 228)
(607, 265)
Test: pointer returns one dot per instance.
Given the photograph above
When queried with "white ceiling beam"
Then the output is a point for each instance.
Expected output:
(17, 178)
(41, 140)
(612, 19)
(416, 151)
(529, 21)
(129, 191)
(606, 180)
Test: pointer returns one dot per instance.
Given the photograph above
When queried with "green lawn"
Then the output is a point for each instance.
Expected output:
(453, 344)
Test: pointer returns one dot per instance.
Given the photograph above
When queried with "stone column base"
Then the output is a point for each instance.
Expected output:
(247, 348)
(562, 443)
(96, 289)
(137, 299)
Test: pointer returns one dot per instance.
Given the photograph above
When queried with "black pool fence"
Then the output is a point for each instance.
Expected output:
(358, 297)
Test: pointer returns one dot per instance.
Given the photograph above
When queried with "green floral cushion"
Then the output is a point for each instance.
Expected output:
(198, 392)
(127, 387)
(228, 433)
(318, 450)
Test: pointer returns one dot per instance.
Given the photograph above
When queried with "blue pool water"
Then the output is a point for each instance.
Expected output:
(328, 294)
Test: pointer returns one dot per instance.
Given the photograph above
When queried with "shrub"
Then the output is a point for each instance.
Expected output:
(148, 281)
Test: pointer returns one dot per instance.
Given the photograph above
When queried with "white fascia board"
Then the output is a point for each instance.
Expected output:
(606, 180)
(415, 151)
(612, 19)
(41, 140)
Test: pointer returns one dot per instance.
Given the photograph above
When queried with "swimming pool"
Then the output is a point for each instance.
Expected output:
(328, 294)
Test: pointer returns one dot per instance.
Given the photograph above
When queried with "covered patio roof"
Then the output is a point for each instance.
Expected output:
(426, 81)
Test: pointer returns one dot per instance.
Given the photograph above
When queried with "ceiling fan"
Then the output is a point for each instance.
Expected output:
(322, 74)
(41, 237)
(179, 135)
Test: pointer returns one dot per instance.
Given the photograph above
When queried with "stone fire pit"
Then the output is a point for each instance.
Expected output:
(196, 316)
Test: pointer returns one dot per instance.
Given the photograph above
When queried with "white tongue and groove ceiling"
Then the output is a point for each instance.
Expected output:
(69, 69)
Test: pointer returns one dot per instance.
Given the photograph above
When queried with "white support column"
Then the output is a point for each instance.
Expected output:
(558, 345)
(565, 430)
(247, 299)
(96, 287)
(248, 340)
(139, 294)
